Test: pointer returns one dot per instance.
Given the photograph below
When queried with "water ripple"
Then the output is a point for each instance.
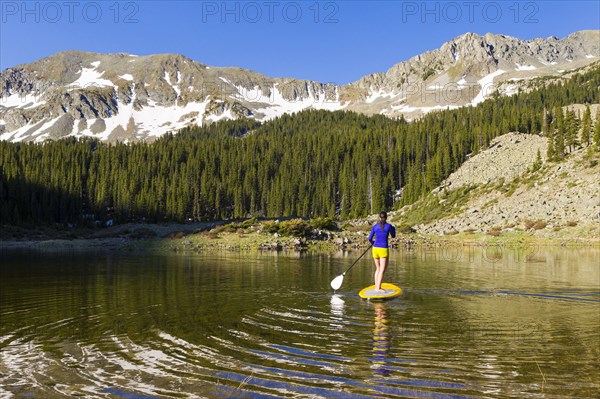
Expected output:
(171, 333)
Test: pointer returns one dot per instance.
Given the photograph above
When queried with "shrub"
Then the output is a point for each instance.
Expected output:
(499, 184)
(490, 203)
(572, 223)
(540, 224)
(295, 228)
(271, 227)
(405, 229)
(494, 231)
(355, 228)
(247, 223)
(218, 229)
(225, 228)
(427, 74)
(509, 189)
(528, 223)
(230, 228)
(324, 224)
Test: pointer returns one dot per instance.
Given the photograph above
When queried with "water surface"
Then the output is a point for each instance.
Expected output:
(472, 323)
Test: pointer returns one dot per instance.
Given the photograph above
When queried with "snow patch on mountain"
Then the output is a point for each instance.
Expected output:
(487, 86)
(279, 105)
(378, 95)
(224, 116)
(525, 68)
(157, 120)
(254, 94)
(174, 86)
(410, 109)
(436, 86)
(91, 77)
(30, 100)
(121, 119)
(23, 132)
(151, 121)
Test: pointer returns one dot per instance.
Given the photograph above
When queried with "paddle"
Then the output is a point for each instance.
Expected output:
(336, 283)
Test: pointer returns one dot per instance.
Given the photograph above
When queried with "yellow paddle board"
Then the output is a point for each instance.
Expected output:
(390, 291)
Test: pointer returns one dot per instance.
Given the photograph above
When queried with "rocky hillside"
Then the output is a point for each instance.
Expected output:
(496, 191)
(122, 97)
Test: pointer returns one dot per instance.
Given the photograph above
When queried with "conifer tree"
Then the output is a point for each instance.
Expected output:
(597, 130)
(545, 129)
(550, 151)
(537, 164)
(559, 138)
(571, 130)
(586, 127)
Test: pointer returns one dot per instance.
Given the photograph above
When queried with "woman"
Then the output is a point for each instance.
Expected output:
(379, 239)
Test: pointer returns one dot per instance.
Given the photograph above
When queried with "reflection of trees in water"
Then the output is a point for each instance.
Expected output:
(381, 339)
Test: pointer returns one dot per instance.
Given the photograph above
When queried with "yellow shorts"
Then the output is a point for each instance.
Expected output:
(380, 253)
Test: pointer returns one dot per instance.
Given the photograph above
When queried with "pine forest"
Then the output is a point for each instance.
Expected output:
(310, 164)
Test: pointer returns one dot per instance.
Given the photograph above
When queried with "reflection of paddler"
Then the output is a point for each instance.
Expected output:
(337, 305)
(381, 339)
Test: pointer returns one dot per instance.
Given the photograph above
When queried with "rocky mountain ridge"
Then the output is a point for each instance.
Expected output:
(122, 97)
(508, 196)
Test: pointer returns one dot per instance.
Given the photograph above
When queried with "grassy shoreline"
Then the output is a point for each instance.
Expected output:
(259, 236)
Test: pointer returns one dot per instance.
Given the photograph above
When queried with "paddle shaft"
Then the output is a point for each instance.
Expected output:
(356, 261)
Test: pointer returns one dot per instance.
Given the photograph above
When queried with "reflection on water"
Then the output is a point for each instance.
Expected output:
(337, 305)
(267, 326)
(381, 339)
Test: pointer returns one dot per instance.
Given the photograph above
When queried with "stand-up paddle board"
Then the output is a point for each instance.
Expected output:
(390, 291)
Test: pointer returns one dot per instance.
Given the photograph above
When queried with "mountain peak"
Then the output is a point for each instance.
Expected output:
(124, 97)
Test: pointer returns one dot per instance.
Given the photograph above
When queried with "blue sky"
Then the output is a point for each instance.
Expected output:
(326, 41)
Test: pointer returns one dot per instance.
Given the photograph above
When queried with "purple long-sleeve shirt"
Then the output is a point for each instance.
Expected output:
(381, 235)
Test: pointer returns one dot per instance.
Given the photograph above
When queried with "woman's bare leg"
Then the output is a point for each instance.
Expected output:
(381, 265)
(377, 270)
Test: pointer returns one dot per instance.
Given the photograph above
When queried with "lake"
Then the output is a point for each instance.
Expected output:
(472, 323)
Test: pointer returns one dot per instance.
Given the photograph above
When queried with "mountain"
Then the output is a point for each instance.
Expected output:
(469, 68)
(122, 97)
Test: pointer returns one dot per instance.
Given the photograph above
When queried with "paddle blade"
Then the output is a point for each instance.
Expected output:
(336, 283)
